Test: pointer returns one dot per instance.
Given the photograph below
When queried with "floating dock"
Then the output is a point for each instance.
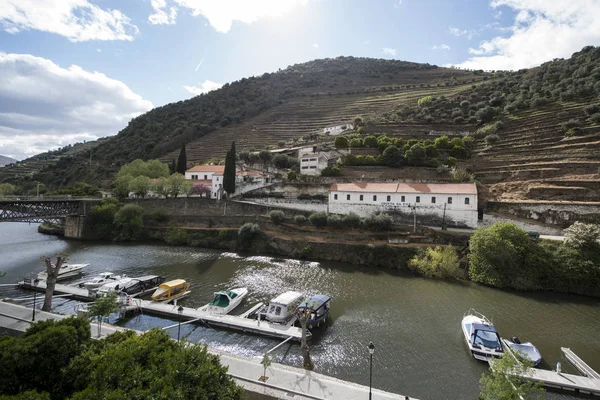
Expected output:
(561, 380)
(579, 363)
(240, 323)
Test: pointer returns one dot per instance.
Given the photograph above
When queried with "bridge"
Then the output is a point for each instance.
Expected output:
(41, 209)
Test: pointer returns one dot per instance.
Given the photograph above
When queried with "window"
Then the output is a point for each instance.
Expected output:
(418, 199)
(313, 159)
(217, 179)
(304, 159)
(467, 200)
(304, 167)
(347, 197)
(449, 200)
(432, 199)
(361, 197)
(313, 167)
(374, 198)
(402, 199)
(335, 196)
(194, 176)
(278, 311)
(205, 177)
(389, 198)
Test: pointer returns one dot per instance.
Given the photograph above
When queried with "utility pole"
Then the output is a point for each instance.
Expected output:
(38, 191)
(444, 218)
(415, 218)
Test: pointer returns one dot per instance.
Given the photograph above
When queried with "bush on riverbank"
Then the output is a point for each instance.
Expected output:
(437, 262)
(247, 233)
(504, 256)
(176, 236)
(277, 216)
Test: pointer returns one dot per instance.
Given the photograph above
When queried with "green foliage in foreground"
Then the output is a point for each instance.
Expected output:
(58, 360)
(437, 262)
(504, 256)
(498, 384)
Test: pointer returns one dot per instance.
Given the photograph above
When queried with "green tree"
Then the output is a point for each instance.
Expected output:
(503, 382)
(182, 160)
(140, 186)
(129, 222)
(176, 184)
(172, 167)
(229, 173)
(318, 219)
(129, 366)
(161, 187)
(356, 142)
(121, 186)
(103, 307)
(247, 233)
(437, 262)
(6, 188)
(392, 157)
(265, 157)
(416, 154)
(370, 141)
(101, 219)
(341, 142)
(582, 235)
(277, 216)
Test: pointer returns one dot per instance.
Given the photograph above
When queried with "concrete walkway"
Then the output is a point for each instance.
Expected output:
(283, 381)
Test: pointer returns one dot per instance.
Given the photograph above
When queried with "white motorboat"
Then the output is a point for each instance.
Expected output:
(225, 301)
(283, 307)
(66, 271)
(481, 336)
(114, 286)
(525, 350)
(101, 280)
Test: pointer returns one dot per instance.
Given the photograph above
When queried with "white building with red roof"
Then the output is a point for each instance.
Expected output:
(212, 176)
(455, 202)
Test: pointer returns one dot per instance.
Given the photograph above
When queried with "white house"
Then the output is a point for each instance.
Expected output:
(314, 161)
(459, 200)
(212, 176)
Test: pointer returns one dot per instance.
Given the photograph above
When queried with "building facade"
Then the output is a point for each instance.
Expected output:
(212, 176)
(455, 203)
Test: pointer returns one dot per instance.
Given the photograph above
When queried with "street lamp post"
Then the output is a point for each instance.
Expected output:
(180, 311)
(371, 351)
(35, 283)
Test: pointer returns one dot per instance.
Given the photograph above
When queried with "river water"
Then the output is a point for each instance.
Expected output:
(413, 322)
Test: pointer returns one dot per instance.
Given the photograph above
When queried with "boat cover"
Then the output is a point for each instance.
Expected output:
(527, 349)
(483, 327)
(315, 301)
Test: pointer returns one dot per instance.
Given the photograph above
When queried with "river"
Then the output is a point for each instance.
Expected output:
(413, 322)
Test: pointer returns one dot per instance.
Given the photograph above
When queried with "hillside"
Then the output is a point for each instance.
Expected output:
(6, 160)
(537, 129)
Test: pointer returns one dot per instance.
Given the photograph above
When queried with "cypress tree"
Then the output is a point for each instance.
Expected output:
(182, 161)
(173, 167)
(229, 173)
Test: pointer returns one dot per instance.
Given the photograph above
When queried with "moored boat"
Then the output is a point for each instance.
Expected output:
(142, 285)
(115, 286)
(100, 280)
(283, 308)
(171, 290)
(525, 350)
(225, 301)
(319, 306)
(481, 336)
(66, 271)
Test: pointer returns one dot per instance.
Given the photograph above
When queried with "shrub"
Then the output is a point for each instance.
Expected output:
(331, 171)
(485, 114)
(392, 157)
(465, 103)
(247, 233)
(437, 262)
(570, 124)
(378, 222)
(491, 140)
(334, 221)
(277, 216)
(595, 118)
(371, 141)
(129, 222)
(292, 176)
(159, 216)
(176, 236)
(450, 161)
(318, 219)
(459, 174)
(459, 120)
(341, 142)
(485, 130)
(356, 142)
(472, 120)
(425, 101)
(582, 235)
(300, 220)
(591, 109)
(351, 220)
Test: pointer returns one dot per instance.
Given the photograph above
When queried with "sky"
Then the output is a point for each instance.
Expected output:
(77, 70)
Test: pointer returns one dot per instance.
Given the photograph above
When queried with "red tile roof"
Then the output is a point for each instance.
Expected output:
(207, 168)
(405, 187)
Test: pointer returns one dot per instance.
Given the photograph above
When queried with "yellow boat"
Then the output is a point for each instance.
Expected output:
(172, 290)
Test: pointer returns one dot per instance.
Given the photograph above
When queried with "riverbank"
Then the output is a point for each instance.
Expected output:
(51, 229)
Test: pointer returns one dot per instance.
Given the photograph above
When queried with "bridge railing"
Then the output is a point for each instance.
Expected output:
(44, 197)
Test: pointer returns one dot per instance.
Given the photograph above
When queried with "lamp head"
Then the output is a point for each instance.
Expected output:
(371, 348)
(180, 310)
(36, 281)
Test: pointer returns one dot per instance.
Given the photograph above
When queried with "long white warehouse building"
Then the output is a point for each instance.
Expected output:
(426, 199)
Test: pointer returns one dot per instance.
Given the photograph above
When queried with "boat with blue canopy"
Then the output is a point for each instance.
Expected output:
(481, 336)
(319, 305)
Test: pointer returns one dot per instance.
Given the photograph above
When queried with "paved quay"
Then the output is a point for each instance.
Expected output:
(283, 381)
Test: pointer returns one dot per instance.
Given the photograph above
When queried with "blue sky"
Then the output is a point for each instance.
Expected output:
(73, 70)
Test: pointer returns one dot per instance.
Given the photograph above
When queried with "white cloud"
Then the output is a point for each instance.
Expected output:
(44, 106)
(542, 30)
(204, 87)
(389, 51)
(160, 16)
(199, 65)
(441, 47)
(457, 31)
(316, 45)
(77, 20)
(99, 50)
(221, 14)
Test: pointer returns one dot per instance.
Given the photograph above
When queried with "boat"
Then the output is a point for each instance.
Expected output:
(283, 308)
(481, 336)
(225, 301)
(319, 306)
(171, 290)
(66, 271)
(525, 350)
(115, 286)
(101, 280)
(142, 285)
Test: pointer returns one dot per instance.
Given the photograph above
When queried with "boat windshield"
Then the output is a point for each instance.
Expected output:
(488, 339)
(220, 300)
